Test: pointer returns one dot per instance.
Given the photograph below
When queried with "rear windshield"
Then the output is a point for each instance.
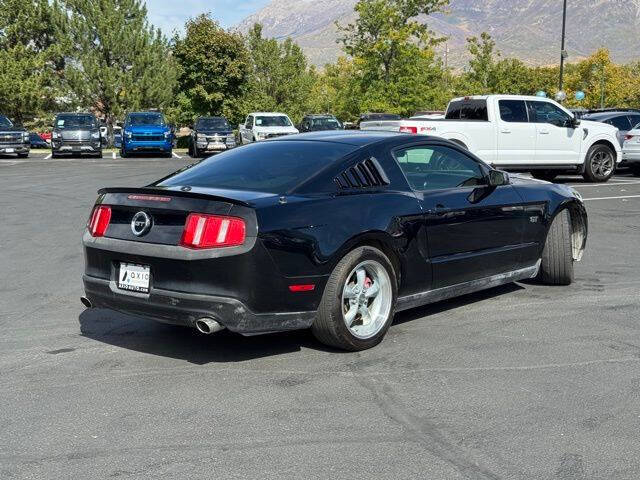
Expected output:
(212, 123)
(326, 123)
(468, 110)
(272, 167)
(76, 121)
(145, 119)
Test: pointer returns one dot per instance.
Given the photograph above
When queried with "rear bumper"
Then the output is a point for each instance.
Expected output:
(178, 308)
(630, 157)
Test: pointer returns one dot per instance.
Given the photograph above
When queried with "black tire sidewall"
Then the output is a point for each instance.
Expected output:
(588, 167)
(342, 271)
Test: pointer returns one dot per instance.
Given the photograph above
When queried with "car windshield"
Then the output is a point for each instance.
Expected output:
(5, 122)
(273, 121)
(145, 119)
(326, 123)
(212, 123)
(272, 167)
(75, 121)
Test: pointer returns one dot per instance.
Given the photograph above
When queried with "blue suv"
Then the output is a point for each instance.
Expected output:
(146, 132)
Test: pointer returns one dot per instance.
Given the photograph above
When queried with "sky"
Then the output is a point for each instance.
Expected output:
(170, 15)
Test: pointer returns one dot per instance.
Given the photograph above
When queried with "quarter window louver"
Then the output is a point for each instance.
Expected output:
(366, 174)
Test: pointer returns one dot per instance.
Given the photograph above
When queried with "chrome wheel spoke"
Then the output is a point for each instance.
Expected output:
(350, 291)
(365, 315)
(362, 277)
(350, 316)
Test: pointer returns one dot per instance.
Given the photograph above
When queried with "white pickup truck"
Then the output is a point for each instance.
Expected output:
(521, 133)
(264, 125)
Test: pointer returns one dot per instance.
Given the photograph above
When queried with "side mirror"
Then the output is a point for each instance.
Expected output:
(575, 123)
(498, 178)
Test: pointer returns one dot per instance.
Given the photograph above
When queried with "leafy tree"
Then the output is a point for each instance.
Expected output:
(214, 70)
(32, 57)
(281, 78)
(393, 56)
(387, 33)
(120, 62)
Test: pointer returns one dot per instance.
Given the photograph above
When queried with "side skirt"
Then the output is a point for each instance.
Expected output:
(445, 293)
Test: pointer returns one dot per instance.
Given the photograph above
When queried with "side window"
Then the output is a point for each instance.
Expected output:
(437, 167)
(635, 120)
(468, 109)
(513, 111)
(621, 123)
(545, 112)
(249, 123)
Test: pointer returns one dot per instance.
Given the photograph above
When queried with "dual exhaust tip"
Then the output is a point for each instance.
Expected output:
(206, 326)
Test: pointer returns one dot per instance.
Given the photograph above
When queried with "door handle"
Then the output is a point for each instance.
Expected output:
(544, 132)
(439, 210)
(504, 130)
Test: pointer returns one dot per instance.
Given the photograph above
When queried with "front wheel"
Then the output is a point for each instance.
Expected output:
(600, 164)
(359, 300)
(557, 258)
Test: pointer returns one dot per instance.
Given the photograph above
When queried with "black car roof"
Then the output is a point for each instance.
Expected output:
(357, 138)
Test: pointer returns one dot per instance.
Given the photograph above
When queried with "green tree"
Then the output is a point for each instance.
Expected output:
(214, 70)
(281, 78)
(121, 62)
(32, 57)
(393, 57)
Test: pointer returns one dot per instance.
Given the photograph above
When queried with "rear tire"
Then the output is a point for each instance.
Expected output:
(600, 164)
(348, 290)
(545, 175)
(557, 257)
(23, 155)
(123, 154)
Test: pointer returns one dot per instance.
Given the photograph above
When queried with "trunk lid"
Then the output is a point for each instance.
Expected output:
(168, 209)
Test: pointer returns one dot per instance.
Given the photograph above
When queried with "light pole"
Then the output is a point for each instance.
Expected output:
(563, 52)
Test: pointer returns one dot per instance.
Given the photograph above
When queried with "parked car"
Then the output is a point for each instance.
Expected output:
(264, 126)
(333, 231)
(117, 136)
(147, 132)
(13, 139)
(373, 117)
(522, 133)
(631, 150)
(623, 119)
(317, 123)
(46, 136)
(76, 134)
(211, 135)
(37, 141)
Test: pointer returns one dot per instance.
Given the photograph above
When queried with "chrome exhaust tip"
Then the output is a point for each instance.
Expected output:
(207, 326)
(86, 302)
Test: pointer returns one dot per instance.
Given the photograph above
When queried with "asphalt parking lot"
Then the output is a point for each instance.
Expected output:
(519, 382)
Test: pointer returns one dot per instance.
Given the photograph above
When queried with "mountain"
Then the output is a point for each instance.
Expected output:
(527, 29)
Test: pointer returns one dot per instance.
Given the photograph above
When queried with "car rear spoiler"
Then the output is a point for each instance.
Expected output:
(199, 193)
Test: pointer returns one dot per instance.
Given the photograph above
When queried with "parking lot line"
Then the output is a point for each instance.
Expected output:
(176, 155)
(611, 198)
(48, 157)
(113, 154)
(605, 184)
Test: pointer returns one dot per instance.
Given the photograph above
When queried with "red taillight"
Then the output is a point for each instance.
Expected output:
(629, 137)
(99, 221)
(413, 130)
(213, 231)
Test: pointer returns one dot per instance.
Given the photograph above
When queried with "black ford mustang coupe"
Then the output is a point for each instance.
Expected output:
(333, 231)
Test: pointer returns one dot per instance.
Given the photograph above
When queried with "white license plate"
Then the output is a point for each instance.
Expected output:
(134, 278)
(217, 146)
(9, 150)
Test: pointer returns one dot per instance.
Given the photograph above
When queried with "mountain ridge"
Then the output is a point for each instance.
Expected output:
(526, 29)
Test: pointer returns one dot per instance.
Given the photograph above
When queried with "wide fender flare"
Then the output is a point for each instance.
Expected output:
(602, 137)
